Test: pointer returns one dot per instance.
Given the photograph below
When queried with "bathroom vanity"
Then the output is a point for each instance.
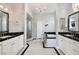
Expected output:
(11, 43)
(69, 41)
(69, 44)
(49, 39)
(0, 48)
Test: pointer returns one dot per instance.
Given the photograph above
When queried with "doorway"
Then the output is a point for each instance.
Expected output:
(29, 26)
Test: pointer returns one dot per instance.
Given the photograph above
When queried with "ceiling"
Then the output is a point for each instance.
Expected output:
(42, 7)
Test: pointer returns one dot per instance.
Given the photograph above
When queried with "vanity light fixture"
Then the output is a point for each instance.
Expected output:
(1, 7)
(6, 9)
(75, 7)
(39, 9)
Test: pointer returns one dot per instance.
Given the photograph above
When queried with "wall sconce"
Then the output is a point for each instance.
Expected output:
(3, 8)
(46, 25)
(6, 9)
(41, 9)
(75, 7)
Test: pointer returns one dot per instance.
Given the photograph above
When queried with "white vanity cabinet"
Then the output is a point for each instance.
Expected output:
(51, 43)
(7, 47)
(69, 46)
(12, 46)
(21, 42)
(65, 45)
(0, 49)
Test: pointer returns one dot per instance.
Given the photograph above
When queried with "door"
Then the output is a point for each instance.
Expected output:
(29, 26)
(0, 49)
(20, 42)
(7, 49)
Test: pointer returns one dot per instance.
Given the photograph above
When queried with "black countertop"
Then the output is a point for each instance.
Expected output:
(11, 34)
(50, 33)
(72, 35)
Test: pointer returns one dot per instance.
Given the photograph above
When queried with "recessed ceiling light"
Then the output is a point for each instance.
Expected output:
(75, 7)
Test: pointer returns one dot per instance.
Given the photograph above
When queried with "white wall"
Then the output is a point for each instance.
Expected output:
(39, 29)
(50, 20)
(27, 11)
(16, 16)
(42, 20)
(62, 11)
(16, 20)
(34, 26)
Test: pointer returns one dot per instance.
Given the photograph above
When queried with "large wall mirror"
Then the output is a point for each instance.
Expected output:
(4, 21)
(73, 22)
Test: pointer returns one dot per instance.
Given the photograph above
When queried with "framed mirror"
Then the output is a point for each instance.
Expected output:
(4, 21)
(73, 22)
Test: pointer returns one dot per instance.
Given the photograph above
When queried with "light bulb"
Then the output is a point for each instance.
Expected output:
(6, 9)
(75, 7)
(1, 7)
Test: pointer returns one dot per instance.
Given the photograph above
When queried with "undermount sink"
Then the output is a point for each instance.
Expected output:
(5, 36)
(69, 35)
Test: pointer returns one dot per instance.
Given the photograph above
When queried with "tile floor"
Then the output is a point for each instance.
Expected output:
(36, 48)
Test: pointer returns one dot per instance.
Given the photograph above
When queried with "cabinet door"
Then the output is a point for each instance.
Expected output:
(10, 47)
(0, 49)
(61, 41)
(14, 45)
(75, 47)
(21, 42)
(6, 49)
(65, 45)
(51, 42)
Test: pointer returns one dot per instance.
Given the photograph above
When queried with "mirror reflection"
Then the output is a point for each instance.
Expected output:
(73, 24)
(4, 21)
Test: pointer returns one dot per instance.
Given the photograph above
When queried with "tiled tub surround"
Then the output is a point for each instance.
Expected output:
(13, 44)
(69, 43)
